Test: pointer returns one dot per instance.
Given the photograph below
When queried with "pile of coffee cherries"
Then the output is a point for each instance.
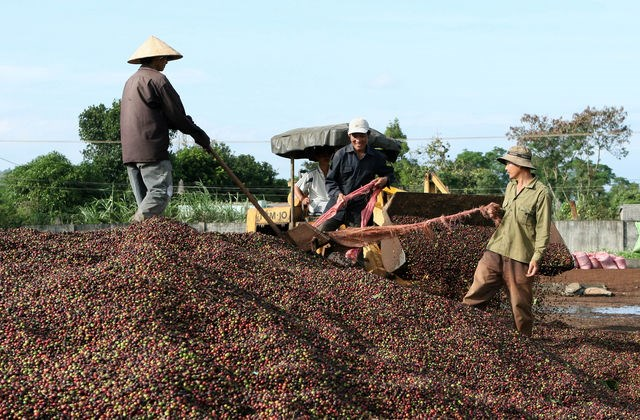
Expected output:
(158, 320)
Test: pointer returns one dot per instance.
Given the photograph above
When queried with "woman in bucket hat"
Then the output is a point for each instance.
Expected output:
(513, 251)
(150, 107)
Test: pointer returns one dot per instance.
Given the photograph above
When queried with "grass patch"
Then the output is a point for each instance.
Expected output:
(117, 208)
(194, 206)
(202, 206)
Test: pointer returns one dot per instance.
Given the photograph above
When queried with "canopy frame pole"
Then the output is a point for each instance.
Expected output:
(293, 195)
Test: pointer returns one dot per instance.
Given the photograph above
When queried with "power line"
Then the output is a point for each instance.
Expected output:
(109, 141)
(450, 138)
(524, 136)
(7, 160)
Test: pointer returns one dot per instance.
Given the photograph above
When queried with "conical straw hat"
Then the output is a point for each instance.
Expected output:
(153, 47)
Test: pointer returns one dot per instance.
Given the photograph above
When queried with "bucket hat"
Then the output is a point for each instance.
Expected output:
(358, 125)
(518, 155)
(153, 47)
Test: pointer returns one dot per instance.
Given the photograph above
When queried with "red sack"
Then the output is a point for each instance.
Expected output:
(594, 262)
(582, 260)
(621, 262)
(606, 261)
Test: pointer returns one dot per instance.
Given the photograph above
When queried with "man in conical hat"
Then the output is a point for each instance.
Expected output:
(150, 107)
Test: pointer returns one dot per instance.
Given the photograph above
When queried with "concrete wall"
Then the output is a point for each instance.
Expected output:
(74, 228)
(601, 235)
(220, 227)
(200, 227)
(630, 212)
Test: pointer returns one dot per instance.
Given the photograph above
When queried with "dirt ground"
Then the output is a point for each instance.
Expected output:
(620, 312)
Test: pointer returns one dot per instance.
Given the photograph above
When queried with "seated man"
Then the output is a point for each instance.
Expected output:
(310, 188)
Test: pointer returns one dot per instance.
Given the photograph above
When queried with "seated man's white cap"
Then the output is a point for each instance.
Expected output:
(153, 47)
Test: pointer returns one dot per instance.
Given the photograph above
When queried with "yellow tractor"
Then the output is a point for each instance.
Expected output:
(281, 213)
(302, 143)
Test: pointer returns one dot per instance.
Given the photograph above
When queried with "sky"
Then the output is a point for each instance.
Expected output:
(464, 71)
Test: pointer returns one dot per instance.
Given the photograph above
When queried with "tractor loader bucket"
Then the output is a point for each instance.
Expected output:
(307, 237)
(304, 236)
(391, 252)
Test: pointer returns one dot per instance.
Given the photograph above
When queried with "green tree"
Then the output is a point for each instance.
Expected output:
(476, 173)
(254, 173)
(623, 192)
(408, 171)
(394, 131)
(432, 158)
(47, 188)
(8, 216)
(99, 126)
(436, 154)
(193, 165)
(567, 153)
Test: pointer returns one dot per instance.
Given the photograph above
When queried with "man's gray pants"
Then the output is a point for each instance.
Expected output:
(152, 185)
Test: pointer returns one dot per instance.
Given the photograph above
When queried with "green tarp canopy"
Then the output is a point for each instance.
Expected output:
(303, 143)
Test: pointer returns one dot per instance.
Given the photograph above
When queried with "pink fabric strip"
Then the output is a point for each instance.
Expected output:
(360, 191)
